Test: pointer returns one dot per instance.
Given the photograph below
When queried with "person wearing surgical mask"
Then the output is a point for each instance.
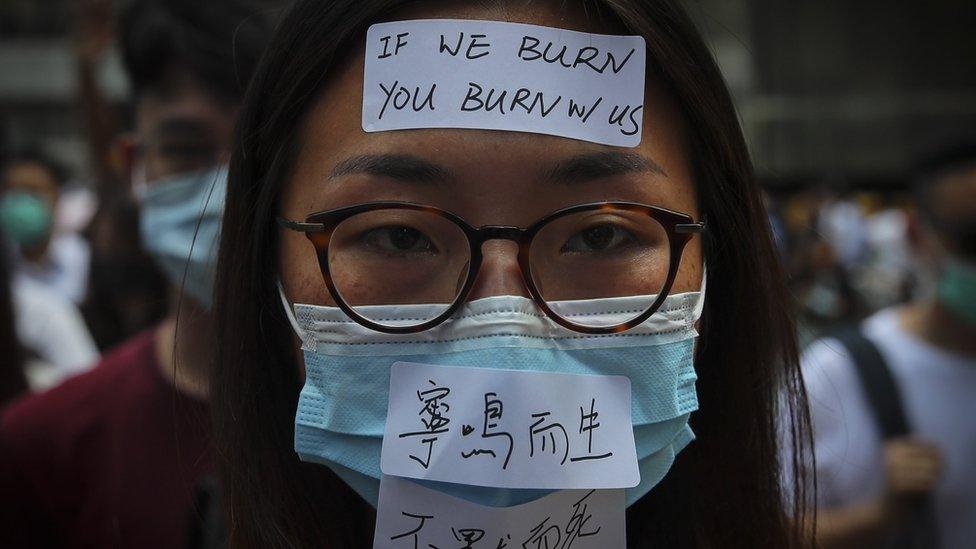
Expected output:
(30, 191)
(49, 271)
(116, 457)
(915, 484)
(351, 253)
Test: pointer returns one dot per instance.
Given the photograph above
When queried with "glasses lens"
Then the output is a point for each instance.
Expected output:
(414, 259)
(599, 254)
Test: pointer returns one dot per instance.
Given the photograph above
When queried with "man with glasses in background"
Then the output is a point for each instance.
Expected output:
(113, 457)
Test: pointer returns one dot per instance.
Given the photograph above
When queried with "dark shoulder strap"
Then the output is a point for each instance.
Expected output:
(919, 530)
(876, 380)
(206, 524)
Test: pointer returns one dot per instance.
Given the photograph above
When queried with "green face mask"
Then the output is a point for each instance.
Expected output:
(25, 218)
(957, 289)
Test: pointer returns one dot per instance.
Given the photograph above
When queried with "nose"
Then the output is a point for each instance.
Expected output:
(499, 273)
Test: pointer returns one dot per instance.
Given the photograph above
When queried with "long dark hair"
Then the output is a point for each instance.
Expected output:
(13, 382)
(724, 490)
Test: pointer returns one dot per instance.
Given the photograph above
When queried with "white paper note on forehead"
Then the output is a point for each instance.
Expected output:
(452, 73)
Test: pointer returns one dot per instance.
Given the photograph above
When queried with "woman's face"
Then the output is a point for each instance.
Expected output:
(486, 177)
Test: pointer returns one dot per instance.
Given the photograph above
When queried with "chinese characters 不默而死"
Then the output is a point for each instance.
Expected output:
(544, 525)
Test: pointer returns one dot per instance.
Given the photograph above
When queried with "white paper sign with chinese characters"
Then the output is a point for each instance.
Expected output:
(509, 429)
(409, 516)
(450, 73)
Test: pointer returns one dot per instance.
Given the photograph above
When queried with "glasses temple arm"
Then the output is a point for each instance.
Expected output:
(299, 226)
(686, 228)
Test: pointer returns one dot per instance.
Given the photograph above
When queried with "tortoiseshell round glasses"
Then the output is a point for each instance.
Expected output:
(426, 260)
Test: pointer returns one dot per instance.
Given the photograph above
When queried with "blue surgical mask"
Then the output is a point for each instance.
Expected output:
(342, 409)
(25, 218)
(180, 227)
(957, 289)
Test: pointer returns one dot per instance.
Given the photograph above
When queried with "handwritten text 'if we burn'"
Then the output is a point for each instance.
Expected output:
(522, 100)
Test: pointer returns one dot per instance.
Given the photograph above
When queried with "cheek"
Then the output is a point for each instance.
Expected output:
(300, 273)
(155, 167)
(302, 281)
(689, 276)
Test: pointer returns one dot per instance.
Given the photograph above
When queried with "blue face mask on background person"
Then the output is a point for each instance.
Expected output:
(957, 289)
(25, 218)
(342, 409)
(179, 225)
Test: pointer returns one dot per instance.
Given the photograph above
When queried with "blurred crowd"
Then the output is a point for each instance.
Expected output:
(104, 434)
(72, 245)
(74, 264)
(848, 252)
(82, 273)
(77, 280)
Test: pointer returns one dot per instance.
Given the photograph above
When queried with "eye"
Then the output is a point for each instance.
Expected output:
(399, 239)
(188, 152)
(598, 238)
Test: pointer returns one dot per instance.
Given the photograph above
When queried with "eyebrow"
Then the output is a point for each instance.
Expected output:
(403, 167)
(588, 167)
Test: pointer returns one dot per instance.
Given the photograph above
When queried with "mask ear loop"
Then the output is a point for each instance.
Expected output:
(290, 312)
(700, 300)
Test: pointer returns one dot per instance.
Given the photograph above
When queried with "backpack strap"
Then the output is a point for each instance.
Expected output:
(919, 530)
(877, 383)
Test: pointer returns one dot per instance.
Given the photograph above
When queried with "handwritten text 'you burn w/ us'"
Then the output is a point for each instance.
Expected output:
(400, 95)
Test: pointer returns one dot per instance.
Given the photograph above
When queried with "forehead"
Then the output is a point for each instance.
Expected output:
(332, 131)
(179, 95)
(954, 194)
(28, 174)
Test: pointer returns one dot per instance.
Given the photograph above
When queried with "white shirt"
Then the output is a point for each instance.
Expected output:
(75, 209)
(842, 225)
(938, 391)
(64, 269)
(887, 267)
(51, 328)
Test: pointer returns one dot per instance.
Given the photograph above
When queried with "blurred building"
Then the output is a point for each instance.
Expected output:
(825, 88)
(38, 76)
(841, 89)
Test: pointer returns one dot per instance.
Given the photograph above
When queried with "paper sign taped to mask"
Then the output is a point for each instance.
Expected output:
(452, 73)
(508, 428)
(409, 515)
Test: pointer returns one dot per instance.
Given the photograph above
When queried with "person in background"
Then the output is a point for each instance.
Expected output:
(114, 457)
(31, 187)
(126, 290)
(893, 402)
(885, 277)
(49, 268)
(93, 35)
(821, 284)
(52, 333)
(841, 222)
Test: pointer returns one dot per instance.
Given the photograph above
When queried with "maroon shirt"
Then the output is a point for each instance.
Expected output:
(110, 458)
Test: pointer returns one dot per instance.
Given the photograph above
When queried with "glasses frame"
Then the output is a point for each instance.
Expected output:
(320, 226)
